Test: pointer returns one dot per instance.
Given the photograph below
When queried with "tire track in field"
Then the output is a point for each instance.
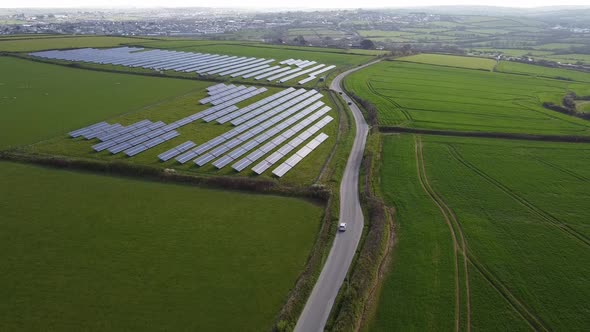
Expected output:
(459, 230)
(518, 305)
(425, 184)
(562, 169)
(544, 215)
(391, 101)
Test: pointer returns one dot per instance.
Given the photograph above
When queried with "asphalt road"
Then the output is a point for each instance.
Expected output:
(318, 306)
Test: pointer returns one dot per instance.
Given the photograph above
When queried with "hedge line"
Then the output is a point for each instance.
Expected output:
(530, 137)
(121, 168)
(364, 275)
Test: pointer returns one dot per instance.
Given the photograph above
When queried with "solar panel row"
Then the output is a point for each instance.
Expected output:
(311, 95)
(258, 72)
(231, 89)
(285, 149)
(313, 75)
(151, 143)
(292, 161)
(216, 87)
(274, 77)
(233, 108)
(264, 131)
(165, 156)
(291, 97)
(82, 131)
(127, 136)
(220, 90)
(259, 77)
(253, 106)
(303, 72)
(250, 70)
(201, 63)
(276, 141)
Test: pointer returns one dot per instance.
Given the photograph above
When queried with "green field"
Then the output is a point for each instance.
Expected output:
(525, 234)
(570, 58)
(451, 61)
(437, 97)
(540, 71)
(39, 101)
(38, 44)
(95, 253)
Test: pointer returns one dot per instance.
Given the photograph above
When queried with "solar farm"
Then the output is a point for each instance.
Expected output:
(202, 64)
(285, 126)
(213, 125)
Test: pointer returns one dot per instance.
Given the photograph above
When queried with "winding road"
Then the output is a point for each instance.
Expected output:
(320, 302)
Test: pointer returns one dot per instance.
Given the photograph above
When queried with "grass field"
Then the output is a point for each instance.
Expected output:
(451, 61)
(436, 97)
(38, 44)
(522, 229)
(570, 58)
(39, 101)
(555, 73)
(89, 252)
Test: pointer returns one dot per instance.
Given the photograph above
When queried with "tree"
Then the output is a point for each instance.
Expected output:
(367, 44)
(300, 40)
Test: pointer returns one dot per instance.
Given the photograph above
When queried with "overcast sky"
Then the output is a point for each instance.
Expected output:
(284, 4)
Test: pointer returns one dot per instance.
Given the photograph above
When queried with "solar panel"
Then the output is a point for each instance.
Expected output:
(303, 72)
(78, 132)
(237, 153)
(305, 80)
(261, 71)
(241, 67)
(183, 158)
(316, 73)
(261, 167)
(274, 77)
(281, 170)
(204, 159)
(249, 70)
(240, 165)
(259, 77)
(222, 162)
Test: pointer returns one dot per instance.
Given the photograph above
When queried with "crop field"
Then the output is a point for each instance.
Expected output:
(514, 52)
(40, 101)
(437, 97)
(38, 44)
(451, 61)
(198, 132)
(570, 58)
(556, 46)
(540, 71)
(135, 255)
(482, 242)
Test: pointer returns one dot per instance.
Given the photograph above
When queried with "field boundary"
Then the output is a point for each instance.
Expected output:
(483, 134)
(118, 168)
